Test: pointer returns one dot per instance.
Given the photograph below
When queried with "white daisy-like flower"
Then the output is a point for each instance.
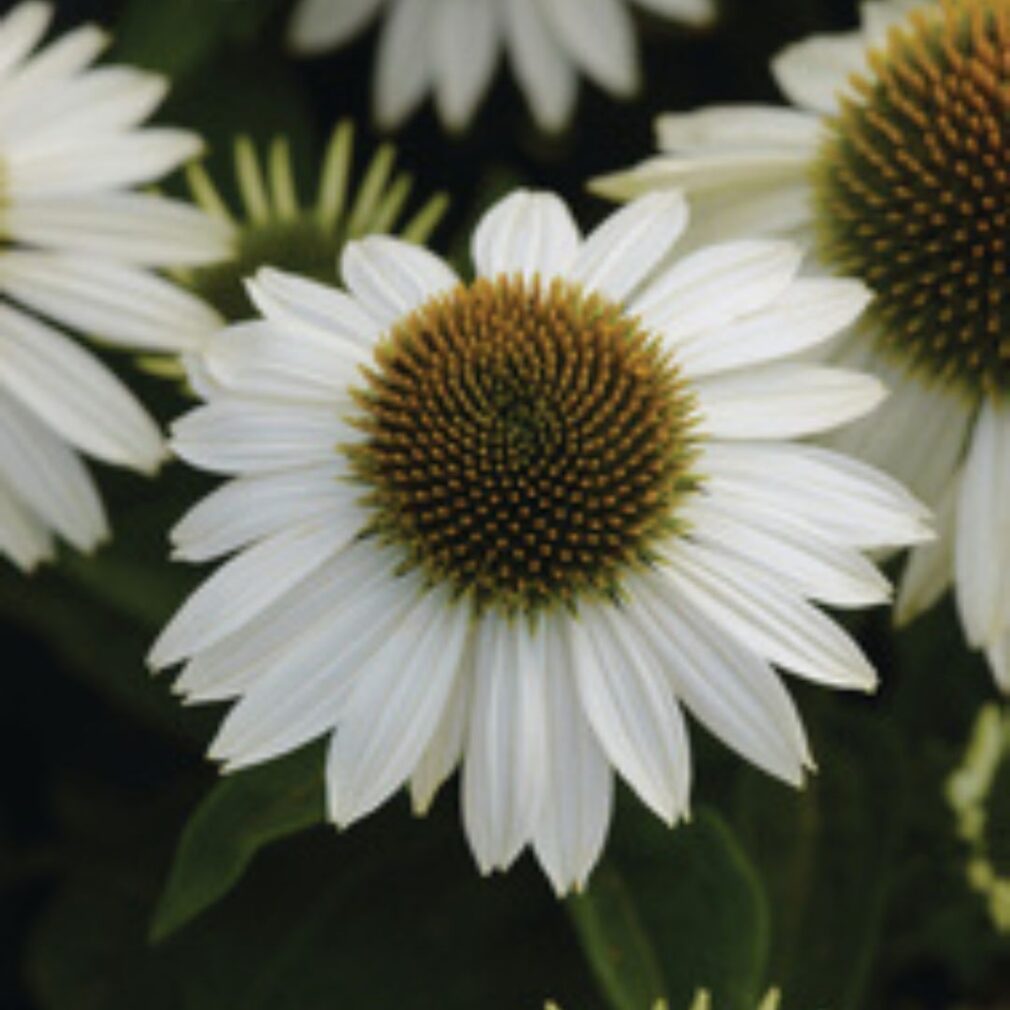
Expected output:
(452, 47)
(76, 247)
(516, 524)
(895, 168)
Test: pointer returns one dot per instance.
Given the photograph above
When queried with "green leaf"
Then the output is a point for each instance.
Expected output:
(671, 911)
(243, 813)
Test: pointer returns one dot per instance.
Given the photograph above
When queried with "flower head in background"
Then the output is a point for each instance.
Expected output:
(896, 168)
(516, 524)
(452, 47)
(977, 794)
(281, 231)
(77, 247)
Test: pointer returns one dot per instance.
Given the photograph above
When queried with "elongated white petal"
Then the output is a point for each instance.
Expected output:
(49, 478)
(784, 401)
(526, 233)
(135, 228)
(692, 12)
(304, 305)
(241, 437)
(304, 694)
(622, 252)
(632, 710)
(465, 37)
(803, 560)
(262, 359)
(250, 508)
(21, 30)
(74, 394)
(763, 615)
(599, 36)
(241, 589)
(395, 707)
(737, 128)
(24, 540)
(846, 500)
(714, 286)
(930, 568)
(806, 314)
(578, 785)
(317, 25)
(403, 64)
(543, 70)
(506, 746)
(392, 277)
(813, 73)
(730, 689)
(117, 303)
(982, 537)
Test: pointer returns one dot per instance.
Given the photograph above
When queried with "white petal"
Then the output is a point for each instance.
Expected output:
(730, 689)
(847, 501)
(391, 277)
(632, 710)
(119, 304)
(395, 707)
(982, 548)
(250, 508)
(262, 360)
(621, 253)
(541, 67)
(403, 70)
(86, 164)
(806, 314)
(74, 394)
(134, 228)
(692, 12)
(304, 693)
(21, 30)
(743, 128)
(716, 285)
(813, 73)
(506, 747)
(24, 540)
(526, 233)
(234, 437)
(764, 616)
(317, 25)
(802, 560)
(465, 38)
(784, 401)
(600, 37)
(930, 568)
(49, 477)
(318, 309)
(241, 589)
(578, 785)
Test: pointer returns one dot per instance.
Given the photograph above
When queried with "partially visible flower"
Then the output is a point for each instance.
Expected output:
(452, 47)
(76, 246)
(281, 230)
(515, 524)
(895, 168)
(978, 795)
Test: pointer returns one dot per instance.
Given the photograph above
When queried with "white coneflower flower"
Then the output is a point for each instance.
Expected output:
(451, 47)
(896, 169)
(514, 524)
(281, 230)
(76, 248)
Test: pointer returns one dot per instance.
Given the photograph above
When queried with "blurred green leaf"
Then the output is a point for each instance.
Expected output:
(241, 814)
(669, 911)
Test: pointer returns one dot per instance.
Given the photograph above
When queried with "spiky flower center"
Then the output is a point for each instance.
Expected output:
(913, 192)
(526, 442)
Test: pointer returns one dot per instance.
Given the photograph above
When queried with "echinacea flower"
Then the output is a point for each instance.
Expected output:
(77, 248)
(896, 169)
(280, 229)
(452, 47)
(514, 524)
